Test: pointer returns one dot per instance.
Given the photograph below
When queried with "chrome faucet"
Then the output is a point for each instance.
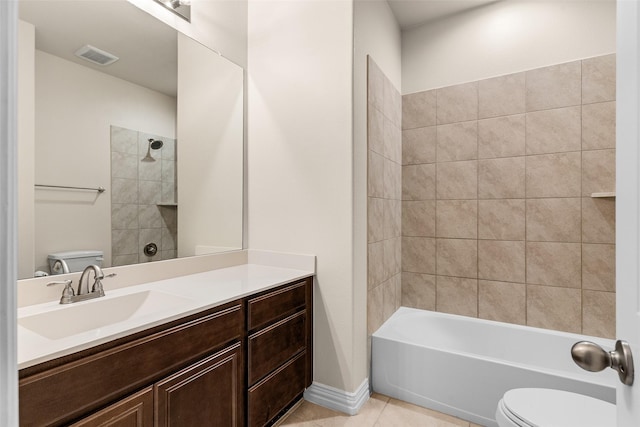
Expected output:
(97, 284)
(96, 291)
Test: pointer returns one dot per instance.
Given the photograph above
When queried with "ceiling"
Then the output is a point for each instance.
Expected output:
(411, 13)
(147, 48)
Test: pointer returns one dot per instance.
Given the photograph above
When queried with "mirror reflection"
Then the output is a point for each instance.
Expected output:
(159, 128)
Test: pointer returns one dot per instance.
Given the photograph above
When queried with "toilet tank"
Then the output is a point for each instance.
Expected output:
(75, 260)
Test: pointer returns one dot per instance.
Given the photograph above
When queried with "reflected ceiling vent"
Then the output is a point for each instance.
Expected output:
(95, 55)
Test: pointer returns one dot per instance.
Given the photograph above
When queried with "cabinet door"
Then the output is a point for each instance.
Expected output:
(207, 393)
(132, 411)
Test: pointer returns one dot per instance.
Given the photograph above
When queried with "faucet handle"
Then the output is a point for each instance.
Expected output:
(60, 282)
(67, 292)
(106, 276)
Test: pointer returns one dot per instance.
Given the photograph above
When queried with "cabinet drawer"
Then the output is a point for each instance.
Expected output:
(58, 395)
(271, 395)
(275, 305)
(132, 411)
(273, 346)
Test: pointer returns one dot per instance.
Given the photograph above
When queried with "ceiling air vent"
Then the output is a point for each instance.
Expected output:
(95, 55)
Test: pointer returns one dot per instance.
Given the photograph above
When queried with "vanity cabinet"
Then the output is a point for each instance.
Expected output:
(242, 363)
(278, 351)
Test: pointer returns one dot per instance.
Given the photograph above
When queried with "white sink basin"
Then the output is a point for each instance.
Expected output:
(91, 315)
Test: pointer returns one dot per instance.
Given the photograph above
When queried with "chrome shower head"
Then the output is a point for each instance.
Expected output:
(154, 144)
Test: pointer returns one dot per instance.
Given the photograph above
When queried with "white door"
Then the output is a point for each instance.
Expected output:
(628, 201)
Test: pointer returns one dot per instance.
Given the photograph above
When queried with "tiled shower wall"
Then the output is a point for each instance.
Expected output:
(498, 221)
(143, 197)
(384, 197)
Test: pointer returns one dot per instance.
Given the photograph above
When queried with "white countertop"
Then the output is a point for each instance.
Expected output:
(193, 293)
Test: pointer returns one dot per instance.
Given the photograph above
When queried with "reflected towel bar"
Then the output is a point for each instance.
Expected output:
(99, 189)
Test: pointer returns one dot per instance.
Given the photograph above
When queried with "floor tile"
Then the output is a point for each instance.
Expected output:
(378, 411)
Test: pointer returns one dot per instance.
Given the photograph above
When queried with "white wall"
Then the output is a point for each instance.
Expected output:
(75, 107)
(218, 24)
(26, 147)
(376, 33)
(300, 160)
(210, 133)
(505, 37)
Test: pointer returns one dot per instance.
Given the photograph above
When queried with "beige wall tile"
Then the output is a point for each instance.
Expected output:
(375, 130)
(598, 171)
(554, 308)
(375, 309)
(599, 267)
(375, 264)
(457, 180)
(501, 178)
(501, 260)
(392, 185)
(501, 137)
(419, 291)
(419, 109)
(375, 175)
(392, 141)
(599, 126)
(419, 255)
(389, 297)
(419, 182)
(456, 295)
(554, 131)
(387, 219)
(502, 301)
(375, 85)
(419, 218)
(553, 175)
(457, 141)
(457, 219)
(598, 220)
(457, 103)
(554, 87)
(599, 314)
(554, 264)
(375, 214)
(599, 79)
(392, 261)
(501, 219)
(553, 220)
(502, 96)
(419, 145)
(457, 257)
(392, 103)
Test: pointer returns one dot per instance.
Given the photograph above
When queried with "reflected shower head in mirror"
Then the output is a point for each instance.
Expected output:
(154, 144)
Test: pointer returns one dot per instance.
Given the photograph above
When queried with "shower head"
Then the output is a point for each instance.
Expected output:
(154, 144)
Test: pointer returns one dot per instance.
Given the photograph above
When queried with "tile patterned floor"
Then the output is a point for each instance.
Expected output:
(379, 411)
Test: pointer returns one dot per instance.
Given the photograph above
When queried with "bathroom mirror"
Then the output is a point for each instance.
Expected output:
(160, 130)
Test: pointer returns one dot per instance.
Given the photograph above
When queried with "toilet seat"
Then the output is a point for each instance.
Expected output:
(537, 407)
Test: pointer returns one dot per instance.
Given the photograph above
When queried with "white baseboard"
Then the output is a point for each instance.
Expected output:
(338, 400)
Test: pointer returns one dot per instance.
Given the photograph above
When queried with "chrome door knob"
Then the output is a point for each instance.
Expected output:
(591, 357)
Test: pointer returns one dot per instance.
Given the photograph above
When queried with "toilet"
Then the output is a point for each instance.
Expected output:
(73, 261)
(539, 407)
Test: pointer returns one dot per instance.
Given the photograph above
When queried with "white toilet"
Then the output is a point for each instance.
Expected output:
(539, 407)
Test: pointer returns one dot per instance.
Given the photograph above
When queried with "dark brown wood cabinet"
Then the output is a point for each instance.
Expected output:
(133, 411)
(278, 351)
(208, 393)
(242, 363)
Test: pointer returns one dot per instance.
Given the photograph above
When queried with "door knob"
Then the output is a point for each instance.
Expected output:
(591, 357)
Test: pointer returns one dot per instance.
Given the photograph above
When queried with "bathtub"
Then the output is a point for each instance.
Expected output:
(462, 366)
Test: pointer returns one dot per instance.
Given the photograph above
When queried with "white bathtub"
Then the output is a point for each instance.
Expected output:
(462, 366)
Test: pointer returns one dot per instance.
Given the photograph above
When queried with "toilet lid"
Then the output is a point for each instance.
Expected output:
(538, 407)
